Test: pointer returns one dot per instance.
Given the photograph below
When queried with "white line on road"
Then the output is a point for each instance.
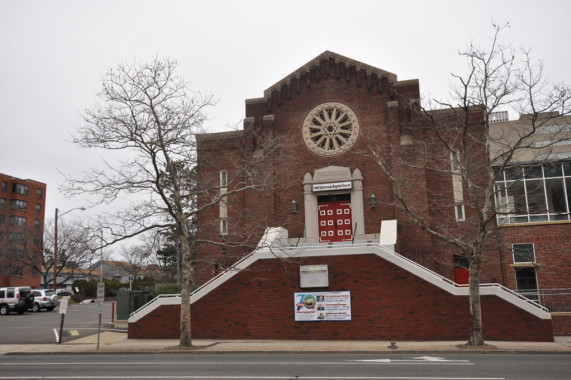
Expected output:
(260, 377)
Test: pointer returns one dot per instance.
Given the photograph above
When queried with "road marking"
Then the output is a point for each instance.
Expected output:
(264, 377)
(57, 335)
(417, 360)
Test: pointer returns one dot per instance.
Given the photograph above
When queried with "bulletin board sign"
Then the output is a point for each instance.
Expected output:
(322, 306)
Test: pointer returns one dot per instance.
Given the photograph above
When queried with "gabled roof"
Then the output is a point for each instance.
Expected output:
(326, 55)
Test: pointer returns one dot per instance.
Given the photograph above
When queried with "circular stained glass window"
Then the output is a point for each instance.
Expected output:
(330, 129)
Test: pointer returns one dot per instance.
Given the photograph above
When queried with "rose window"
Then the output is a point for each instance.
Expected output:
(330, 129)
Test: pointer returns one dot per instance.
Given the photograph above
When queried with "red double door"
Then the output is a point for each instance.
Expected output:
(335, 221)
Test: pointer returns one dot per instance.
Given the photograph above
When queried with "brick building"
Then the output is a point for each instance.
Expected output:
(308, 161)
(534, 202)
(22, 209)
(323, 119)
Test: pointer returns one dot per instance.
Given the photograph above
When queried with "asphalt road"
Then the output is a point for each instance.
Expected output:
(287, 366)
(30, 327)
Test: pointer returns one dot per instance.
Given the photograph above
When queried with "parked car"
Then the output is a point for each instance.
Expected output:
(18, 299)
(64, 292)
(44, 299)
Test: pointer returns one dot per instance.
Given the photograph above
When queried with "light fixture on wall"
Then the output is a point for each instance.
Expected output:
(294, 206)
(373, 201)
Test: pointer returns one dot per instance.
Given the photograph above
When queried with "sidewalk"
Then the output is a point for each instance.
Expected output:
(117, 342)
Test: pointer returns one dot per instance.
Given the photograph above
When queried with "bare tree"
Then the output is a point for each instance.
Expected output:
(75, 254)
(28, 248)
(150, 113)
(458, 144)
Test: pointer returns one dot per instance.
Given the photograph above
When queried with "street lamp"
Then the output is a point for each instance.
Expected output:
(55, 242)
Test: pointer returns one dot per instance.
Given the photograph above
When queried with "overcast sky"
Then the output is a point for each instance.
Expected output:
(54, 53)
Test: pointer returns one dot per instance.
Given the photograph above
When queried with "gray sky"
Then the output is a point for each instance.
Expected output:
(54, 53)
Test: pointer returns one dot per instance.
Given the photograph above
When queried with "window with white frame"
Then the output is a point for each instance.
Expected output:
(538, 193)
(457, 190)
(523, 253)
(525, 274)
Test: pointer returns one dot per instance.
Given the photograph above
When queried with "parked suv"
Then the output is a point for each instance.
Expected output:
(44, 299)
(18, 299)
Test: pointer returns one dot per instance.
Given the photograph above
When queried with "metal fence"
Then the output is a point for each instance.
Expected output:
(556, 300)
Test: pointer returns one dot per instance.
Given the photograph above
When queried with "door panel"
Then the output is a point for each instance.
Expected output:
(335, 221)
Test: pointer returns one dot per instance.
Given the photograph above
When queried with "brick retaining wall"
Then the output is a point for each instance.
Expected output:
(388, 303)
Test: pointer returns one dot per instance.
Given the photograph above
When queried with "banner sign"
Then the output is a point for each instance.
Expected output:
(322, 306)
(332, 186)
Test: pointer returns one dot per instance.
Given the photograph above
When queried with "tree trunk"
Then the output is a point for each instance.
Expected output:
(476, 337)
(187, 275)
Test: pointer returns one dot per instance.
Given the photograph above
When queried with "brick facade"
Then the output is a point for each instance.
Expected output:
(384, 107)
(552, 246)
(271, 150)
(20, 242)
(388, 303)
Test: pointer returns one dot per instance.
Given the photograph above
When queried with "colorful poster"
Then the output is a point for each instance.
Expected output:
(322, 306)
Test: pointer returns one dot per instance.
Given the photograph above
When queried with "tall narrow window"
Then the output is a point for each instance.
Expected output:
(223, 178)
(525, 274)
(457, 187)
(39, 193)
(223, 227)
(223, 204)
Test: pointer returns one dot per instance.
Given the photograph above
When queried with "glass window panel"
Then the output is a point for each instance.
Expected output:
(513, 173)
(553, 170)
(526, 279)
(516, 198)
(539, 218)
(533, 172)
(555, 195)
(567, 168)
(501, 199)
(568, 186)
(19, 188)
(523, 253)
(496, 170)
(535, 197)
(503, 220)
